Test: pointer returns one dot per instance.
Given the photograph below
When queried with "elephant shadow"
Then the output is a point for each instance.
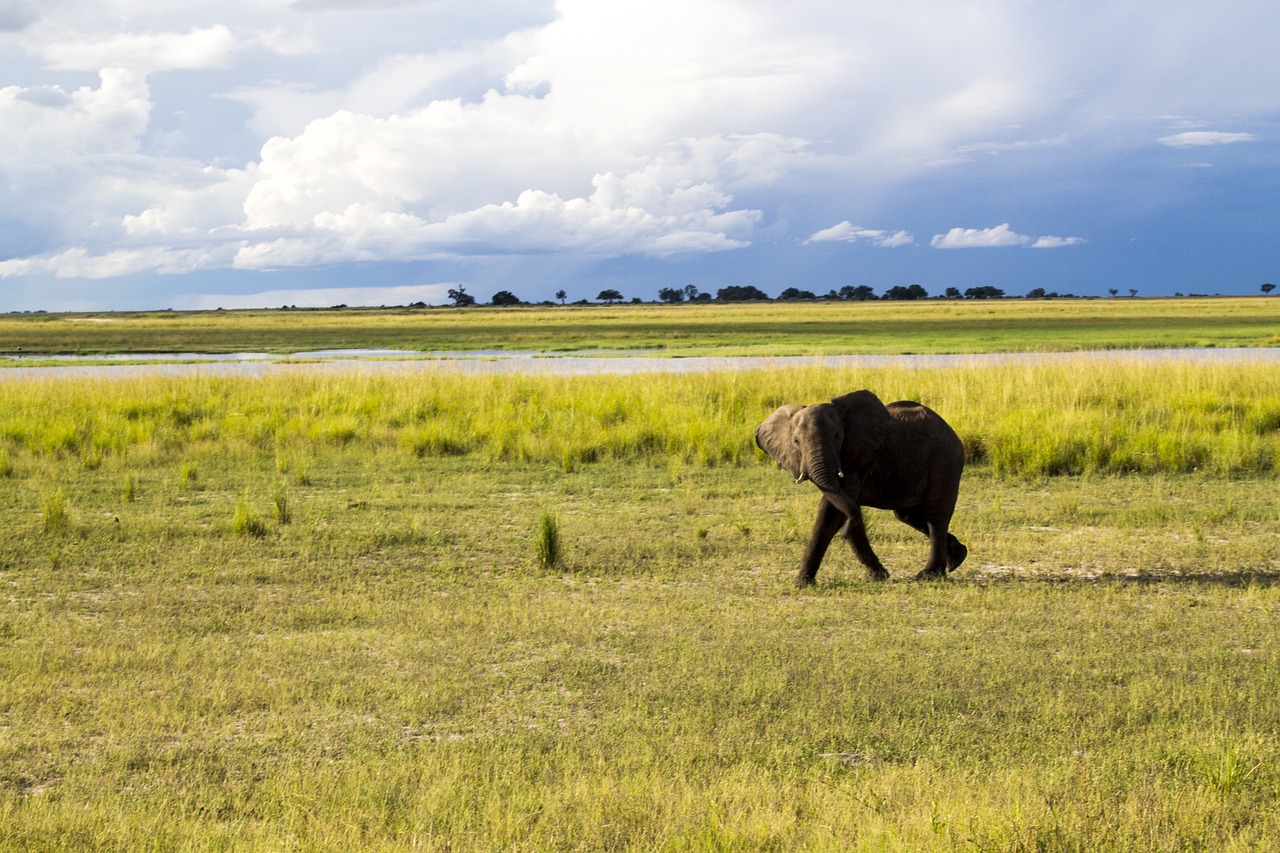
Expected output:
(1227, 580)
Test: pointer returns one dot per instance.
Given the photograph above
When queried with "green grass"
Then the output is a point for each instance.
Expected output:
(936, 326)
(391, 669)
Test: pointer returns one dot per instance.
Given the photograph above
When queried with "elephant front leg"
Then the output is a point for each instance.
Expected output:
(825, 527)
(855, 533)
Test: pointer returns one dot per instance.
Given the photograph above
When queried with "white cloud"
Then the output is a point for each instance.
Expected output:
(209, 47)
(1203, 138)
(654, 211)
(999, 237)
(1056, 242)
(324, 297)
(49, 127)
(847, 232)
(81, 263)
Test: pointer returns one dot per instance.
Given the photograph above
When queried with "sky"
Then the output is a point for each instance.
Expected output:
(258, 153)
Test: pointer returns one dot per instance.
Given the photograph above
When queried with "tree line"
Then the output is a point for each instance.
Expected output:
(751, 293)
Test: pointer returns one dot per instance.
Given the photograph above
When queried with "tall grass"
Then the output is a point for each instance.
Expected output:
(1072, 417)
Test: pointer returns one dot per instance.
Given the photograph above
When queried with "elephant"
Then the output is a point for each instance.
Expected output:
(860, 452)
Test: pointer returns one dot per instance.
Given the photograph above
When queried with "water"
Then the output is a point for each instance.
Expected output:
(539, 363)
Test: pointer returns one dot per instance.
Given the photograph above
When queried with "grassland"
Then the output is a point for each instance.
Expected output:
(769, 329)
(313, 612)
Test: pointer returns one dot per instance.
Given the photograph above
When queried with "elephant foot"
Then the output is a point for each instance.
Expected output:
(877, 574)
(805, 579)
(931, 574)
(956, 552)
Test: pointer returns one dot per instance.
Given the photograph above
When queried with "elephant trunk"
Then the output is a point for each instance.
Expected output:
(822, 466)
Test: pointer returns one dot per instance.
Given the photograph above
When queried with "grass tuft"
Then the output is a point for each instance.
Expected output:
(280, 500)
(54, 512)
(128, 488)
(245, 521)
(546, 543)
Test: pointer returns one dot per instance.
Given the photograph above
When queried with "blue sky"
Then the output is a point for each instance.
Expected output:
(315, 152)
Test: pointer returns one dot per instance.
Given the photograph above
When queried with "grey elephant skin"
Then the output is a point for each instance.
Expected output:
(860, 452)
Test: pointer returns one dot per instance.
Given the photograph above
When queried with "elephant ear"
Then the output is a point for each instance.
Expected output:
(775, 438)
(866, 423)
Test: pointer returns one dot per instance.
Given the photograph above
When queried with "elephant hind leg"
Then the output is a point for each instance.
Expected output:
(953, 551)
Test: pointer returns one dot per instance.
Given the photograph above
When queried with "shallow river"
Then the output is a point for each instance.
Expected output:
(396, 361)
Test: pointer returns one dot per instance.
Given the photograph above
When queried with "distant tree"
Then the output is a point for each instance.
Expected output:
(690, 292)
(861, 293)
(913, 291)
(561, 295)
(1133, 291)
(952, 293)
(793, 294)
(609, 296)
(986, 291)
(831, 296)
(1267, 288)
(702, 297)
(1036, 293)
(741, 293)
(460, 296)
(506, 297)
(1113, 291)
(671, 294)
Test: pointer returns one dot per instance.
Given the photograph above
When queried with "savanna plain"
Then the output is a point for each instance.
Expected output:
(440, 611)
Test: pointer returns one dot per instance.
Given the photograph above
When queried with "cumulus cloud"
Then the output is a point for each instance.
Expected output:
(999, 237)
(58, 127)
(1204, 138)
(847, 232)
(635, 213)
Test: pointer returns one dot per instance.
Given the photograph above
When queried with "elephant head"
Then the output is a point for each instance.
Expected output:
(821, 441)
